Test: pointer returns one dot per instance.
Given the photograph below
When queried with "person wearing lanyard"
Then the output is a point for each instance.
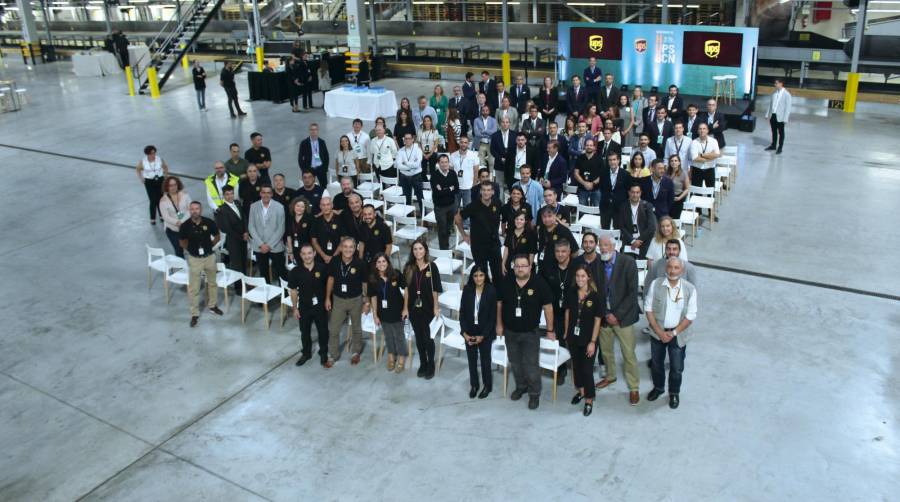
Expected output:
(444, 187)
(678, 145)
(520, 239)
(310, 191)
(704, 152)
(360, 144)
(234, 230)
(198, 236)
(307, 282)
(327, 232)
(420, 302)
(483, 128)
(345, 161)
(174, 207)
(514, 205)
(671, 307)
(638, 224)
(386, 298)
(346, 299)
(587, 174)
(563, 213)
(428, 138)
(464, 162)
(478, 322)
(484, 238)
(376, 234)
(548, 234)
(519, 304)
(618, 284)
(662, 190)
(151, 171)
(313, 155)
(382, 152)
(259, 156)
(409, 165)
(559, 279)
(583, 313)
(299, 228)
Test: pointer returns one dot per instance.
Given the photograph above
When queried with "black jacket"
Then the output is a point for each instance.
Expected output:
(652, 129)
(623, 295)
(518, 99)
(716, 132)
(487, 312)
(612, 198)
(304, 155)
(646, 225)
(603, 103)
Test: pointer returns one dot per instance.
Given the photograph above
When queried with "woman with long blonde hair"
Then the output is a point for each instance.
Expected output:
(665, 231)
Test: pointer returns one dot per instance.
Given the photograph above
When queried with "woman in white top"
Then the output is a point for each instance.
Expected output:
(344, 163)
(174, 207)
(453, 130)
(324, 78)
(151, 171)
(428, 139)
(665, 231)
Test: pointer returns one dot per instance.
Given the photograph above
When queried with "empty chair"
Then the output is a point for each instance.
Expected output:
(286, 302)
(176, 273)
(156, 261)
(499, 357)
(262, 293)
(589, 216)
(225, 278)
(368, 327)
(446, 263)
(451, 296)
(451, 337)
(551, 357)
(406, 228)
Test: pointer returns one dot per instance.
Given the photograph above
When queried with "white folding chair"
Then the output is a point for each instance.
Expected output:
(451, 297)
(589, 216)
(286, 302)
(462, 247)
(428, 209)
(225, 278)
(262, 293)
(703, 198)
(368, 326)
(689, 217)
(156, 261)
(626, 150)
(368, 187)
(390, 187)
(499, 357)
(551, 357)
(407, 229)
(446, 264)
(451, 337)
(395, 205)
(176, 273)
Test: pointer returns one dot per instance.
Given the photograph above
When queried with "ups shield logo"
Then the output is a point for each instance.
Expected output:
(595, 43)
(711, 48)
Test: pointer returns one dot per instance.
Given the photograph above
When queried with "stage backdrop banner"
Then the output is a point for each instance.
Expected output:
(661, 54)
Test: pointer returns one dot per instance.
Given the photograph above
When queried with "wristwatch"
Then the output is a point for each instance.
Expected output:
(674, 333)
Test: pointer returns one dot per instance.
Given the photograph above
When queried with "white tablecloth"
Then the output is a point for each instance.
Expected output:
(366, 106)
(95, 64)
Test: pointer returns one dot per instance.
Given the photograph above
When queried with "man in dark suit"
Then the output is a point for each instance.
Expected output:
(638, 223)
(576, 96)
(230, 222)
(554, 135)
(463, 106)
(659, 131)
(556, 171)
(487, 84)
(607, 145)
(520, 94)
(618, 285)
(608, 95)
(313, 155)
(716, 121)
(614, 183)
(525, 154)
(593, 78)
(503, 149)
(533, 127)
(691, 121)
(650, 110)
(468, 88)
(659, 191)
(495, 98)
(674, 104)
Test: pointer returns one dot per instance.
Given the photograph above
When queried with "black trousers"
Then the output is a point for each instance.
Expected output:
(700, 176)
(154, 193)
(482, 349)
(777, 131)
(489, 259)
(444, 216)
(610, 216)
(296, 90)
(306, 91)
(319, 317)
(420, 319)
(279, 272)
(237, 255)
(174, 240)
(676, 209)
(321, 173)
(232, 94)
(411, 184)
(583, 369)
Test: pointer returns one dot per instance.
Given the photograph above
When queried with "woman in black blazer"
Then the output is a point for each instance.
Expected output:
(548, 100)
(478, 321)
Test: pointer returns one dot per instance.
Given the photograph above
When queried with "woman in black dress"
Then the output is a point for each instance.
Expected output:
(298, 227)
(548, 100)
(420, 302)
(515, 205)
(403, 126)
(478, 321)
(520, 239)
(584, 310)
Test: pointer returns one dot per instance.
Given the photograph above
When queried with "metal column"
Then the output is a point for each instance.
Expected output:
(26, 16)
(106, 18)
(374, 27)
(505, 56)
(257, 36)
(853, 76)
(409, 10)
(534, 11)
(665, 11)
(357, 36)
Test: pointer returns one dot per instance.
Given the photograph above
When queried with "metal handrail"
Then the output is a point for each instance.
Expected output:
(189, 14)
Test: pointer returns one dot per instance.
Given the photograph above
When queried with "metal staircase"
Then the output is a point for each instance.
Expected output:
(177, 36)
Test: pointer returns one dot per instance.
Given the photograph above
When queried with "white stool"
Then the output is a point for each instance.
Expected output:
(718, 86)
(729, 87)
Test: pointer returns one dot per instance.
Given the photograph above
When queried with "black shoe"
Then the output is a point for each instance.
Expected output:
(215, 310)
(233, 116)
(673, 401)
(473, 392)
(484, 393)
(654, 394)
(242, 114)
(649, 363)
(194, 320)
(429, 374)
(422, 371)
(770, 148)
(533, 402)
(778, 152)
(560, 379)
(588, 408)
(577, 399)
(303, 359)
(517, 394)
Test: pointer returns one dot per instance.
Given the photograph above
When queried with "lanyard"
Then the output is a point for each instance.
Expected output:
(345, 271)
(384, 288)
(419, 276)
(678, 145)
(409, 153)
(356, 139)
(704, 143)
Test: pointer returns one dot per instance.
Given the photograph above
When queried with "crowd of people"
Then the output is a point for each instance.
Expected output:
(495, 164)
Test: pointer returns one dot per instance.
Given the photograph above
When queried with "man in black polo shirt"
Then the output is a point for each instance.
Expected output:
(281, 193)
(340, 200)
(549, 232)
(376, 234)
(352, 219)
(344, 298)
(563, 213)
(588, 167)
(560, 279)
(259, 156)
(311, 191)
(307, 282)
(226, 80)
(522, 296)
(327, 232)
(197, 236)
(444, 187)
(484, 239)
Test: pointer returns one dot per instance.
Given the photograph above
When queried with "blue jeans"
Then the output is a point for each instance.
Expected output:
(592, 198)
(201, 98)
(658, 364)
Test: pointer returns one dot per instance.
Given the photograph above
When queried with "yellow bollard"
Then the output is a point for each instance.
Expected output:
(850, 92)
(130, 79)
(259, 58)
(507, 71)
(154, 83)
(184, 60)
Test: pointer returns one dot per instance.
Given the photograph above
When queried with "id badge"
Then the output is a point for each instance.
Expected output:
(384, 303)
(328, 246)
(316, 157)
(296, 243)
(576, 331)
(418, 303)
(343, 288)
(179, 215)
(357, 150)
(659, 140)
(518, 311)
(459, 173)
(200, 251)
(378, 157)
(560, 303)
(541, 256)
(315, 301)
(344, 169)
(427, 148)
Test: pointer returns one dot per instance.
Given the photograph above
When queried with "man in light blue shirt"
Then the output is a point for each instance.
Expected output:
(534, 192)
(483, 128)
(423, 111)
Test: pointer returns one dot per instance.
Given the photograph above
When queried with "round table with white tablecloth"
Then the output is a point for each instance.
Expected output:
(363, 104)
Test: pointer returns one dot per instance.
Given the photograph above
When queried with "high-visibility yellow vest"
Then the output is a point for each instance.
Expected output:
(213, 191)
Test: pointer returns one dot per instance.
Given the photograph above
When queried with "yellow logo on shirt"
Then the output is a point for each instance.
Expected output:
(352, 270)
(523, 241)
(204, 227)
(334, 226)
(494, 208)
(304, 225)
(375, 232)
(589, 303)
(554, 236)
(530, 292)
(427, 274)
(318, 274)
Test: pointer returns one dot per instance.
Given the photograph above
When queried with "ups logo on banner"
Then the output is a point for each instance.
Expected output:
(595, 43)
(712, 48)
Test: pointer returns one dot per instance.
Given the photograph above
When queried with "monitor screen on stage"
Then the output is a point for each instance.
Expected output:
(600, 43)
(712, 49)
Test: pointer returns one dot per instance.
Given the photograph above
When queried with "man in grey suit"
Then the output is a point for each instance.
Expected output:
(637, 223)
(266, 228)
(618, 284)
(778, 113)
